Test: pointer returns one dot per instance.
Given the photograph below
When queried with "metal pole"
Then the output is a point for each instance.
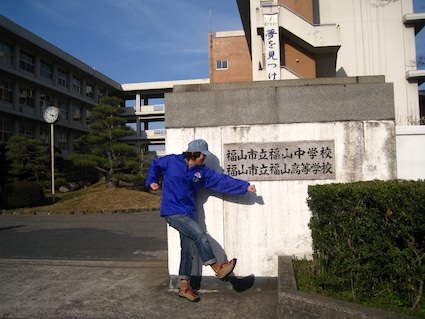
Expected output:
(52, 150)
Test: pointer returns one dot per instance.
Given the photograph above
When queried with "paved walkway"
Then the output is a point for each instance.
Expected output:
(123, 276)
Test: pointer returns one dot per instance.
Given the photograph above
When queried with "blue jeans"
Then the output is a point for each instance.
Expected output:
(190, 234)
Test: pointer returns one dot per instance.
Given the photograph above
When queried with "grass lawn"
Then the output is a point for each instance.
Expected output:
(95, 199)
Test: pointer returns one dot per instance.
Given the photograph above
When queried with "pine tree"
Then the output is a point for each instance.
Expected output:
(28, 158)
(102, 147)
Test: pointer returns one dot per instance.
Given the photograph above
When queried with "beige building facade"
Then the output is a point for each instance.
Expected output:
(34, 74)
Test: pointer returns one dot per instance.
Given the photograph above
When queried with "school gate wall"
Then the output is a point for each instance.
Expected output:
(357, 114)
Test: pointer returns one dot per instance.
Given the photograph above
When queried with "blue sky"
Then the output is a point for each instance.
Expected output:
(130, 40)
(136, 40)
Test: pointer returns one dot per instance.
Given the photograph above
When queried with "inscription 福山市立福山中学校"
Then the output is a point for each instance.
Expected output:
(280, 160)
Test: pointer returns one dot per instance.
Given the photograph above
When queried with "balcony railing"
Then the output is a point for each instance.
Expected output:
(158, 109)
(145, 110)
(158, 133)
(153, 135)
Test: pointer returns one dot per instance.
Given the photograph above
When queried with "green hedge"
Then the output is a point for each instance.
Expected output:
(369, 239)
(23, 194)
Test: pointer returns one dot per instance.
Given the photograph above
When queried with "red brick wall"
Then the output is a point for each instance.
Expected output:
(303, 7)
(295, 57)
(234, 49)
(299, 61)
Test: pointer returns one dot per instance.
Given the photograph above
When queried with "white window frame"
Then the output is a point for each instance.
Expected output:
(27, 61)
(27, 96)
(62, 78)
(6, 50)
(76, 85)
(46, 70)
(6, 90)
(222, 64)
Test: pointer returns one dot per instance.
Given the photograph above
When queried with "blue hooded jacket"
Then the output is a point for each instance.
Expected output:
(181, 184)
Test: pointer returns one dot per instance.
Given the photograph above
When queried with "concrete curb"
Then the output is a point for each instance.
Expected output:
(298, 305)
(76, 212)
(86, 263)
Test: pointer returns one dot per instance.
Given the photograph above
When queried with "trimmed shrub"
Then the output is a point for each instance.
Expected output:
(369, 239)
(23, 194)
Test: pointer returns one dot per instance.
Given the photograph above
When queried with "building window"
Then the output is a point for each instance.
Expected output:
(76, 85)
(6, 53)
(88, 116)
(6, 91)
(45, 100)
(64, 110)
(5, 129)
(62, 78)
(100, 93)
(46, 70)
(26, 96)
(90, 90)
(222, 64)
(76, 113)
(27, 62)
(26, 129)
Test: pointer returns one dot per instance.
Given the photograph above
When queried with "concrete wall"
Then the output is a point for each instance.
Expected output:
(410, 152)
(373, 41)
(256, 228)
(371, 34)
(289, 101)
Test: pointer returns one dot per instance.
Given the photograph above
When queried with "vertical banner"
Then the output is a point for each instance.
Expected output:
(271, 42)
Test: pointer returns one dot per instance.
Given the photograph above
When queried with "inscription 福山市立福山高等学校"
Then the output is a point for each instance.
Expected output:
(280, 160)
